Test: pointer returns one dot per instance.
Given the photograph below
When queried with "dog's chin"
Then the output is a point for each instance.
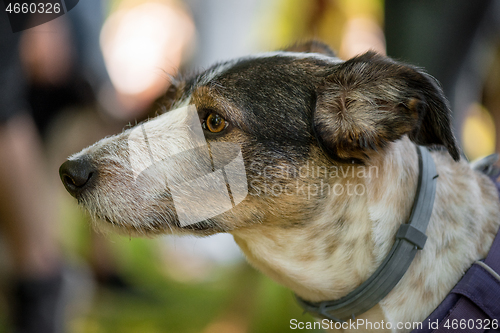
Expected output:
(152, 226)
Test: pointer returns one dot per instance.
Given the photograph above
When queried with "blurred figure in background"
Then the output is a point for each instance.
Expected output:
(45, 70)
(65, 71)
(27, 210)
(56, 98)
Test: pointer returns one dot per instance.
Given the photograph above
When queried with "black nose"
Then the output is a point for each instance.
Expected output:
(77, 175)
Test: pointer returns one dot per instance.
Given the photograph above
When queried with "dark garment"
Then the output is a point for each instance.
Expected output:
(12, 82)
(476, 296)
(44, 101)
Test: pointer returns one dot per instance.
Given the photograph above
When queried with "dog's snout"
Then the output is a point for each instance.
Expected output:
(76, 175)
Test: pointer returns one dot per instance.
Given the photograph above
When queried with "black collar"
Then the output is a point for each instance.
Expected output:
(409, 239)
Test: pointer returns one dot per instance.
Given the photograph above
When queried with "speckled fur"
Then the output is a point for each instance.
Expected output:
(289, 111)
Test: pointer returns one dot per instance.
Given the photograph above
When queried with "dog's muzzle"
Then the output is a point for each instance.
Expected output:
(164, 162)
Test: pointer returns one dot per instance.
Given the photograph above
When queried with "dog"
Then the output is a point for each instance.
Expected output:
(328, 149)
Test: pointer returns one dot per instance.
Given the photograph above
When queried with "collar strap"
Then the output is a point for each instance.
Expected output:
(409, 239)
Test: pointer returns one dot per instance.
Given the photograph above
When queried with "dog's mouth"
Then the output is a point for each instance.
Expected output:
(200, 226)
(107, 219)
(155, 219)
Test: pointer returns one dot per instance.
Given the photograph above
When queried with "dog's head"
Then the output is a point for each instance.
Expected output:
(242, 131)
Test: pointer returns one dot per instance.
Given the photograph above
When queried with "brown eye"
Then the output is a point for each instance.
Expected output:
(215, 123)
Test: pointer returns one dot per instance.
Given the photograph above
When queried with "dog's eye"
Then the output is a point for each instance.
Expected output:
(214, 123)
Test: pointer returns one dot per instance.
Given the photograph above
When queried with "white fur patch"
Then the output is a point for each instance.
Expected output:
(169, 134)
(297, 55)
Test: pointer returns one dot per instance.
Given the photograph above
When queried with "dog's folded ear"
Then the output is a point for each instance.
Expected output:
(312, 46)
(371, 100)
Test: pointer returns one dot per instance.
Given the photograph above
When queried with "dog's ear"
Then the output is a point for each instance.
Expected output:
(312, 46)
(371, 100)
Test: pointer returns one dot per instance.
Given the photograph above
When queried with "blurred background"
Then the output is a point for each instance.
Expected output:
(69, 82)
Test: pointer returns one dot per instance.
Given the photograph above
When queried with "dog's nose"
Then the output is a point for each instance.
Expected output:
(77, 175)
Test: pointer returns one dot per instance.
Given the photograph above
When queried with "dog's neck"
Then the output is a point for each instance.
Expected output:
(334, 253)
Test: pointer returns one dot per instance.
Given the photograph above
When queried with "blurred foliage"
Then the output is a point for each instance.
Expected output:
(236, 298)
(478, 132)
(236, 294)
(325, 20)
